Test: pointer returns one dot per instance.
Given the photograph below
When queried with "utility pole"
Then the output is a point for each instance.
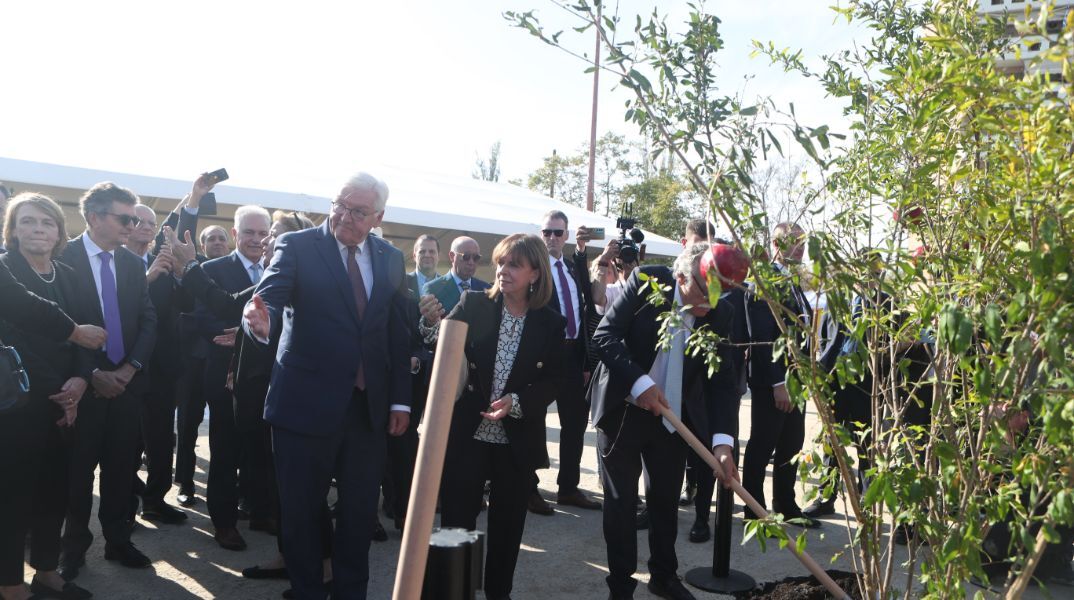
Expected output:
(555, 175)
(593, 125)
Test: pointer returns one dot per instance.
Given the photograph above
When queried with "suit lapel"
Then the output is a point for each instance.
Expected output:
(83, 270)
(376, 259)
(329, 251)
(487, 345)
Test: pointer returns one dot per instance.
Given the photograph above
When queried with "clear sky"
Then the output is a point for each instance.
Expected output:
(282, 93)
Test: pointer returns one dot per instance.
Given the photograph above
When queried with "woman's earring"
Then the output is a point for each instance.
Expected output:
(531, 287)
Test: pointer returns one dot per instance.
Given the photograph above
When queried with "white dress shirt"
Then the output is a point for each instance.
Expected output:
(94, 251)
(248, 264)
(572, 289)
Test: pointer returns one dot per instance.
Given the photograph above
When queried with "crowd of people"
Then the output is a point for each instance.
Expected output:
(312, 346)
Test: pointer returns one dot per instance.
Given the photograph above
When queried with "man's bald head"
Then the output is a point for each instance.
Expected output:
(464, 256)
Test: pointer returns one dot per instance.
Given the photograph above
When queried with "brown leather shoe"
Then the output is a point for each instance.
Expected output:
(229, 538)
(539, 506)
(577, 498)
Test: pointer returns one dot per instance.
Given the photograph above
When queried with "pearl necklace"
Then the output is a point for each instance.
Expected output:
(52, 274)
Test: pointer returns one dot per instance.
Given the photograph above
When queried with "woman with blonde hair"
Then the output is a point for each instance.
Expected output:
(33, 438)
(514, 346)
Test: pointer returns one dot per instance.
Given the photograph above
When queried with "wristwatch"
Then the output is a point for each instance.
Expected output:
(137, 365)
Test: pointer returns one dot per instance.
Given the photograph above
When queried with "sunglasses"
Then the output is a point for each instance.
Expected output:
(475, 257)
(553, 232)
(125, 220)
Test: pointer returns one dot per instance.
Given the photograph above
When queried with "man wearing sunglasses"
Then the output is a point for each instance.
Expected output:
(573, 298)
(111, 279)
(464, 255)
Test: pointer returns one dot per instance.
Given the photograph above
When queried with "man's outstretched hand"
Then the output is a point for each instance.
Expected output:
(256, 316)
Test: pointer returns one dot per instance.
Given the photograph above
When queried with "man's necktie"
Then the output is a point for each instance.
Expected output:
(255, 273)
(360, 300)
(673, 381)
(113, 346)
(567, 301)
(464, 285)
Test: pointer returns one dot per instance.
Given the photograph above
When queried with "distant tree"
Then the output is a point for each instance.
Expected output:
(562, 178)
(488, 170)
(657, 204)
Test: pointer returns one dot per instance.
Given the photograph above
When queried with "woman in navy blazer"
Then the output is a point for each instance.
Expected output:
(514, 346)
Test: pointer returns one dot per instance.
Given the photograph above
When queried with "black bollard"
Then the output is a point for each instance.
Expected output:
(720, 577)
(454, 570)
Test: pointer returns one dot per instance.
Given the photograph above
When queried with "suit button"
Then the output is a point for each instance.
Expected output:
(540, 365)
(470, 387)
(473, 366)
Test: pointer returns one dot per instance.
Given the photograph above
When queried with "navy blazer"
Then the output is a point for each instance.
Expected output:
(323, 341)
(626, 340)
(447, 291)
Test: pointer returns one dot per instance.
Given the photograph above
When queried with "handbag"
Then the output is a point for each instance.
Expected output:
(14, 382)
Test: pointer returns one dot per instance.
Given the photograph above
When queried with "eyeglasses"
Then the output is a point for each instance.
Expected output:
(553, 232)
(356, 214)
(125, 220)
(475, 257)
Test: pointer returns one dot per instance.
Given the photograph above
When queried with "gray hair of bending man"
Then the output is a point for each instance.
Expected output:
(688, 262)
(363, 181)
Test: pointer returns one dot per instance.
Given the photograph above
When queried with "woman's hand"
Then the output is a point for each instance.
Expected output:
(67, 398)
(227, 338)
(89, 336)
(499, 409)
(431, 309)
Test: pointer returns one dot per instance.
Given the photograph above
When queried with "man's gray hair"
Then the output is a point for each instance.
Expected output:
(251, 209)
(688, 261)
(363, 182)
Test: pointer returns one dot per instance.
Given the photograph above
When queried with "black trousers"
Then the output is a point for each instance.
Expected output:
(467, 465)
(191, 387)
(222, 496)
(158, 424)
(641, 437)
(573, 418)
(777, 436)
(305, 466)
(106, 434)
(852, 406)
(399, 472)
(33, 467)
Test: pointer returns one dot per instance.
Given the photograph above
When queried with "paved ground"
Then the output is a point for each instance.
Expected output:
(563, 556)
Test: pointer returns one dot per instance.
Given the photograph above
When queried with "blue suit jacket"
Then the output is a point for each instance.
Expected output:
(322, 341)
(447, 291)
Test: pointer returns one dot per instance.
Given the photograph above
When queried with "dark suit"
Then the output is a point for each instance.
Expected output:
(34, 451)
(323, 425)
(626, 340)
(232, 276)
(107, 430)
(166, 366)
(447, 291)
(571, 400)
(191, 388)
(470, 462)
(774, 435)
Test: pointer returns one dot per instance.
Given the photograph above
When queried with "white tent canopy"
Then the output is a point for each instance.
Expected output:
(418, 202)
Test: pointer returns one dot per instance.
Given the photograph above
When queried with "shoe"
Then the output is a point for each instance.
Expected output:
(70, 591)
(539, 506)
(229, 538)
(399, 522)
(267, 525)
(700, 532)
(643, 519)
(672, 588)
(127, 555)
(903, 533)
(687, 497)
(260, 573)
(160, 512)
(820, 508)
(70, 564)
(577, 498)
(186, 497)
(379, 534)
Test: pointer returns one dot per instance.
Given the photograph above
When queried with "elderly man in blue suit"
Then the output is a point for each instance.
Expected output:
(340, 382)
(464, 255)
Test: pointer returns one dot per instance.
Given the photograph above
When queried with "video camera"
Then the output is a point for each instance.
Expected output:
(631, 248)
